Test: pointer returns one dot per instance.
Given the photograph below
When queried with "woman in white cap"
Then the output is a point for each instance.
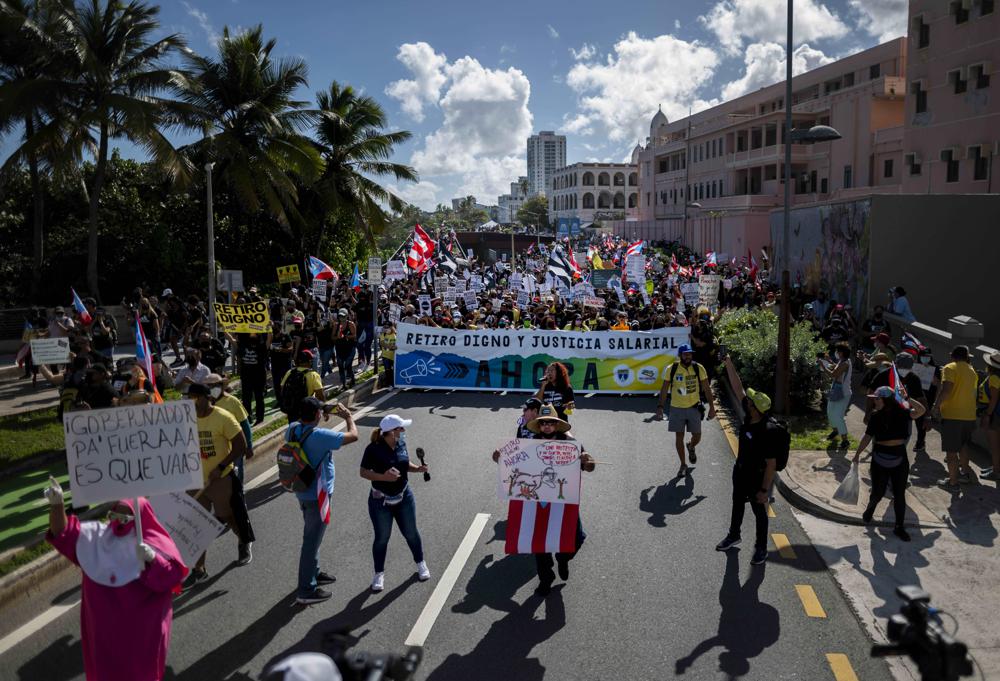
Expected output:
(387, 464)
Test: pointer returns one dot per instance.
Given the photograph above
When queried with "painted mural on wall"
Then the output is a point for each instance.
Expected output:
(829, 250)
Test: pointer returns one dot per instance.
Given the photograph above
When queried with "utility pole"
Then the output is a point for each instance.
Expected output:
(210, 227)
(782, 377)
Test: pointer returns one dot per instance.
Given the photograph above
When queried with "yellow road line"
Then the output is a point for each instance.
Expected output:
(770, 512)
(841, 667)
(809, 601)
(785, 549)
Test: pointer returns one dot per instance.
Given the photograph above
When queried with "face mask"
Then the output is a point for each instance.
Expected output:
(903, 372)
(402, 438)
(192, 363)
(925, 360)
(216, 393)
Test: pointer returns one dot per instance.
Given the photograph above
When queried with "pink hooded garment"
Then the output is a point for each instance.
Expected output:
(127, 609)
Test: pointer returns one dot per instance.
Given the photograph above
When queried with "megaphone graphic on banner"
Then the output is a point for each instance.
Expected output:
(418, 369)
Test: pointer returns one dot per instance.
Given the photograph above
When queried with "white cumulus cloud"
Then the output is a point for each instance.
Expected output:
(424, 194)
(622, 92)
(736, 22)
(884, 19)
(765, 65)
(427, 67)
(586, 51)
(204, 22)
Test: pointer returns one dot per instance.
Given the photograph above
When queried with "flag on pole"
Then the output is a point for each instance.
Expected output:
(559, 268)
(753, 267)
(356, 279)
(898, 389)
(144, 355)
(572, 263)
(421, 250)
(81, 309)
(320, 270)
(711, 260)
(322, 498)
(447, 261)
(540, 527)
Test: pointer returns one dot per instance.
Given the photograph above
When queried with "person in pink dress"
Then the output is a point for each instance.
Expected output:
(128, 587)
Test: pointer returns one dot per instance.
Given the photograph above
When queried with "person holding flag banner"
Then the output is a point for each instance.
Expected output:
(318, 445)
(320, 270)
(81, 310)
(143, 354)
(421, 251)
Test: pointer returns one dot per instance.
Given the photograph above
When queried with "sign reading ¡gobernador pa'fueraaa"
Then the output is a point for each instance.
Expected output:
(244, 317)
(126, 452)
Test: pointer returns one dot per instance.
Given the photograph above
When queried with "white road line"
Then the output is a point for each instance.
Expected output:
(430, 613)
(56, 611)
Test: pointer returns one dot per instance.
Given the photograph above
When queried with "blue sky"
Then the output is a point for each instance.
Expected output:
(471, 80)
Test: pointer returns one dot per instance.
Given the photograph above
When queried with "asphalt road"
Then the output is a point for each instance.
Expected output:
(648, 596)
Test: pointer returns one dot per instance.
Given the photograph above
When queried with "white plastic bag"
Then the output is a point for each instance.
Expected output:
(848, 491)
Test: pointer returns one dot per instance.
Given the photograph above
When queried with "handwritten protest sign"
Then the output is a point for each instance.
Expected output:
(471, 302)
(515, 281)
(522, 299)
(192, 528)
(690, 292)
(244, 318)
(708, 289)
(539, 470)
(440, 284)
(394, 312)
(289, 274)
(476, 283)
(127, 452)
(319, 289)
(50, 351)
(394, 269)
(593, 301)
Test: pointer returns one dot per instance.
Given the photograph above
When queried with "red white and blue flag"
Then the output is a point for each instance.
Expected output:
(753, 267)
(144, 355)
(539, 527)
(711, 260)
(356, 279)
(320, 270)
(81, 309)
(634, 249)
(322, 497)
(421, 251)
(898, 389)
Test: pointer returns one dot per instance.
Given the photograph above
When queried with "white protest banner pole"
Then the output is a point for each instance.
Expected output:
(138, 522)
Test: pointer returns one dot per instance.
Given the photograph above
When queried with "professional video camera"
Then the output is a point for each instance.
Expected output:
(917, 632)
(354, 666)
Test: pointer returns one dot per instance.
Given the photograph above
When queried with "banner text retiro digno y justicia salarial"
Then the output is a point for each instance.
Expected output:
(515, 359)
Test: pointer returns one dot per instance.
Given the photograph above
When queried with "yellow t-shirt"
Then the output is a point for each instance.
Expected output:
(684, 389)
(387, 342)
(214, 434)
(229, 403)
(313, 381)
(961, 404)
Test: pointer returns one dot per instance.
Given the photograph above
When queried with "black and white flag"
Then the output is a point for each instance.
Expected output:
(559, 268)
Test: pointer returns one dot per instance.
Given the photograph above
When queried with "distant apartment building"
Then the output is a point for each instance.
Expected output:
(595, 191)
(509, 204)
(952, 131)
(546, 153)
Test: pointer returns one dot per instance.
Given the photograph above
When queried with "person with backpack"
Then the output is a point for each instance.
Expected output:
(687, 385)
(991, 414)
(763, 450)
(299, 383)
(306, 454)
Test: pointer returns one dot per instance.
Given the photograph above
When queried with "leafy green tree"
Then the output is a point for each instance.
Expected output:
(534, 211)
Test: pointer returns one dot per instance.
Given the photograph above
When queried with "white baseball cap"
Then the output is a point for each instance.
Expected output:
(167, 292)
(305, 667)
(392, 422)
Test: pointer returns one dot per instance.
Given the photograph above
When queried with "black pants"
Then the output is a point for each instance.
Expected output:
(279, 367)
(745, 491)
(241, 515)
(253, 384)
(544, 562)
(920, 425)
(896, 476)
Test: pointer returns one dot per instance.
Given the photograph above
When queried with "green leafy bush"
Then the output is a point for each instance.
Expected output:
(751, 338)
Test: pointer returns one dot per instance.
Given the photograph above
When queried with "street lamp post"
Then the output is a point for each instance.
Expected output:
(210, 227)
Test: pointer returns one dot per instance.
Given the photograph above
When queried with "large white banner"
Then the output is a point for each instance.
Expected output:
(136, 451)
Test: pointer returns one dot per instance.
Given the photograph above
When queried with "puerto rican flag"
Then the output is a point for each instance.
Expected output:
(320, 270)
(572, 263)
(711, 260)
(144, 355)
(898, 389)
(322, 498)
(356, 279)
(539, 527)
(634, 249)
(421, 250)
(81, 309)
(753, 267)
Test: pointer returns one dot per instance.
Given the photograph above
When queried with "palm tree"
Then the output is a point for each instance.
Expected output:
(114, 93)
(252, 122)
(32, 51)
(351, 137)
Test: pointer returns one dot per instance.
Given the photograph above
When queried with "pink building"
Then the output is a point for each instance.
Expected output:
(952, 133)
(737, 157)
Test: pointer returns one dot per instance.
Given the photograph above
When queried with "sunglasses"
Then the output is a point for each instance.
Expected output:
(120, 517)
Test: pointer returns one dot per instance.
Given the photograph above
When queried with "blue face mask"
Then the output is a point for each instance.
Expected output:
(402, 439)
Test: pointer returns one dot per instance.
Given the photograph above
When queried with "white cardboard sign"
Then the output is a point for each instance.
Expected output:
(539, 470)
(395, 269)
(136, 451)
(50, 350)
(192, 528)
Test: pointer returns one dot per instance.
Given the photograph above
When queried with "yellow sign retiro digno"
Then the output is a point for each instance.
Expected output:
(244, 318)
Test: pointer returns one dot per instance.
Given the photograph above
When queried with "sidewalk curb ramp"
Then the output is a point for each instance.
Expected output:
(39, 570)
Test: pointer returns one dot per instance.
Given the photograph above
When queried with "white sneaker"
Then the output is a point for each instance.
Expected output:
(378, 582)
(423, 572)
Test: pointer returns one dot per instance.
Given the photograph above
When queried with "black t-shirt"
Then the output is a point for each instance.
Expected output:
(100, 396)
(889, 423)
(756, 445)
(379, 457)
(558, 398)
(911, 382)
(252, 352)
(363, 312)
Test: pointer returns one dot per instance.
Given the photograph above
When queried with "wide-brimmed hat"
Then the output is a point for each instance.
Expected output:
(547, 413)
(992, 359)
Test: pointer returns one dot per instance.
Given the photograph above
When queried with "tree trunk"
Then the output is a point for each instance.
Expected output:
(95, 195)
(38, 228)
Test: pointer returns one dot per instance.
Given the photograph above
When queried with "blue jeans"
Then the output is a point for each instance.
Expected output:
(365, 346)
(345, 361)
(835, 412)
(405, 515)
(325, 359)
(312, 536)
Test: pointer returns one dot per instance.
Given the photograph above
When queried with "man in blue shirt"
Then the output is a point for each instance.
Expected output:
(318, 445)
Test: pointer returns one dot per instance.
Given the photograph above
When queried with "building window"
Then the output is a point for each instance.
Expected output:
(722, 146)
(848, 79)
(823, 186)
(959, 11)
(770, 135)
(951, 163)
(923, 32)
(848, 177)
(887, 168)
(980, 163)
(959, 83)
(647, 200)
(874, 71)
(980, 76)
(770, 172)
(919, 96)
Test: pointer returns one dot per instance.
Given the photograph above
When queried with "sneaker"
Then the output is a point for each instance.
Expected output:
(194, 577)
(691, 453)
(964, 478)
(563, 569)
(317, 596)
(682, 471)
(729, 542)
(845, 443)
(759, 555)
(378, 582)
(245, 554)
(543, 589)
(987, 473)
(989, 476)
(833, 435)
(423, 572)
(322, 579)
(902, 533)
(949, 486)
(867, 516)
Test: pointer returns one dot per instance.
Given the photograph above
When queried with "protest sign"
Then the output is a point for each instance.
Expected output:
(440, 284)
(635, 269)
(476, 283)
(395, 269)
(466, 274)
(461, 285)
(522, 299)
(319, 289)
(593, 301)
(374, 271)
(127, 452)
(471, 302)
(424, 301)
(601, 278)
(192, 528)
(394, 311)
(243, 318)
(690, 292)
(539, 470)
(468, 253)
(708, 289)
(49, 351)
(229, 280)
(289, 274)
(515, 281)
(727, 284)
(645, 297)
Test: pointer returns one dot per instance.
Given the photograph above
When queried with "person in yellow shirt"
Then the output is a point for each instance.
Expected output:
(225, 400)
(685, 382)
(622, 323)
(221, 441)
(387, 343)
(300, 382)
(956, 407)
